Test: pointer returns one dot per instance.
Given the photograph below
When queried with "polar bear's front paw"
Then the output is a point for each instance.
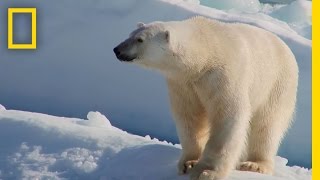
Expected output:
(202, 172)
(186, 166)
(208, 175)
(259, 167)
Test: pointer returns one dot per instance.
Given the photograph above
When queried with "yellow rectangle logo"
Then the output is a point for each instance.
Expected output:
(33, 12)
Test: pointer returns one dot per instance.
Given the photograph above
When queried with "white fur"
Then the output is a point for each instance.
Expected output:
(232, 89)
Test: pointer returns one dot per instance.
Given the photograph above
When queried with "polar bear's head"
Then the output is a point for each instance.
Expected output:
(149, 45)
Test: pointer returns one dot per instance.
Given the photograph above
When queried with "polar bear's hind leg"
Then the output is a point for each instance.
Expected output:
(268, 127)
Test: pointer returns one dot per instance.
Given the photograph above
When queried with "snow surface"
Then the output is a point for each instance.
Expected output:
(39, 146)
(74, 70)
(296, 14)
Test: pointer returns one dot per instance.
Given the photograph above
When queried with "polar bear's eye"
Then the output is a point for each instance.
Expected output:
(140, 40)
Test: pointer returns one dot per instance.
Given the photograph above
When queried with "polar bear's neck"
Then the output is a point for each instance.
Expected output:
(192, 40)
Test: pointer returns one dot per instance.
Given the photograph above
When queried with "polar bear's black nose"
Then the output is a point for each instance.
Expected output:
(116, 51)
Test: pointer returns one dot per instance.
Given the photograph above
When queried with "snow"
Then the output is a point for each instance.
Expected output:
(74, 70)
(296, 14)
(39, 146)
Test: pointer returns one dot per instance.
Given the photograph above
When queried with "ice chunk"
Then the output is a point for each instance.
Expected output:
(193, 1)
(241, 5)
(297, 15)
(2, 107)
(281, 161)
(276, 1)
(97, 119)
(297, 12)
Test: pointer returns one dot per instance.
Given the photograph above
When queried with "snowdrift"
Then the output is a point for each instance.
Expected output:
(74, 70)
(39, 146)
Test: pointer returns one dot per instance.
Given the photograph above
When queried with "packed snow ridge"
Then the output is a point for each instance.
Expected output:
(39, 146)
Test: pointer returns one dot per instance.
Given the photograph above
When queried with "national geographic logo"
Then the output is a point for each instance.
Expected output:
(11, 43)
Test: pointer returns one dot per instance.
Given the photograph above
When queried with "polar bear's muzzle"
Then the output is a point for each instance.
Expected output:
(122, 56)
(123, 52)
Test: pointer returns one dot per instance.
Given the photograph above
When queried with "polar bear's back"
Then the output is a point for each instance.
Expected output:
(250, 51)
(239, 36)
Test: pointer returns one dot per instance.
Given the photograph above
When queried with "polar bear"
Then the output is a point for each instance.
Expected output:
(232, 90)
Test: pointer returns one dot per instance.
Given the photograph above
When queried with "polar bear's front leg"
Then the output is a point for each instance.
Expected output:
(191, 123)
(229, 122)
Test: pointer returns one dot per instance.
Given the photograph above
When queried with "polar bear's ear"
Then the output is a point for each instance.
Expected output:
(140, 25)
(167, 35)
